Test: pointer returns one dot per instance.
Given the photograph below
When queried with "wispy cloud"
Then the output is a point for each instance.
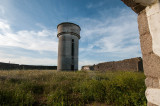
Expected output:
(95, 5)
(27, 60)
(4, 27)
(110, 37)
(42, 40)
(2, 11)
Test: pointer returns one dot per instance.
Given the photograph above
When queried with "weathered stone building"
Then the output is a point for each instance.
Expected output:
(149, 29)
(133, 64)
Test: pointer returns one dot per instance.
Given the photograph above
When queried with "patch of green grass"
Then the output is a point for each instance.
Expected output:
(71, 88)
(16, 97)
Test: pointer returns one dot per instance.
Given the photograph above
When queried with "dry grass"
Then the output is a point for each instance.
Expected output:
(38, 87)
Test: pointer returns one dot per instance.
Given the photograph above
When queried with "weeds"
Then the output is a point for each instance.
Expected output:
(71, 88)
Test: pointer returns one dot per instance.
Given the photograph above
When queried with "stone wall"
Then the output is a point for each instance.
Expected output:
(8, 66)
(149, 30)
(133, 64)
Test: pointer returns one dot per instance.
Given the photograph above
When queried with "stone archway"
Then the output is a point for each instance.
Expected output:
(149, 29)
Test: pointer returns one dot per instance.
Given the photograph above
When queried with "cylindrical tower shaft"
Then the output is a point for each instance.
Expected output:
(69, 35)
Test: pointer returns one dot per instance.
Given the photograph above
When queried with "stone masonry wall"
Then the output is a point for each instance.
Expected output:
(149, 30)
(8, 66)
(133, 64)
(151, 60)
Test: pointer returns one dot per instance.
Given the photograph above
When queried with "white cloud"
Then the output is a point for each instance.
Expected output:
(2, 10)
(111, 36)
(27, 60)
(94, 5)
(42, 40)
(4, 27)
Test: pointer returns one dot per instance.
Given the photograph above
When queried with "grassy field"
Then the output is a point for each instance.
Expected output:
(54, 88)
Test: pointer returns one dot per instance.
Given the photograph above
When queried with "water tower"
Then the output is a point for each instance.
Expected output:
(69, 35)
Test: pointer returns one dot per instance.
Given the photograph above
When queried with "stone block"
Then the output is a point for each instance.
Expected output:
(151, 10)
(154, 26)
(151, 65)
(145, 2)
(130, 3)
(149, 82)
(155, 83)
(136, 7)
(153, 96)
(152, 82)
(143, 23)
(150, 104)
(146, 44)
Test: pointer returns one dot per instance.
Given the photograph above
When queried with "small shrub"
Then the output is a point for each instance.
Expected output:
(126, 89)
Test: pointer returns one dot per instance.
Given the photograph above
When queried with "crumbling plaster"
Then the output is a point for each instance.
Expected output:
(153, 17)
(153, 95)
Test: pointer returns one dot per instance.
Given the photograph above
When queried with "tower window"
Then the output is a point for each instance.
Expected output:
(72, 67)
(72, 51)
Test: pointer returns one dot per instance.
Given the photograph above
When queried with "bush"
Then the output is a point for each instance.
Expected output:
(126, 89)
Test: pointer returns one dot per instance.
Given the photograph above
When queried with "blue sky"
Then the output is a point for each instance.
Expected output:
(28, 30)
